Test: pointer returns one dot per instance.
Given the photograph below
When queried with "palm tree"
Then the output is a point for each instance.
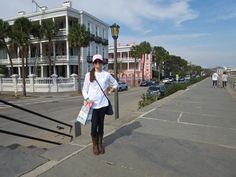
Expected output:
(4, 33)
(145, 48)
(20, 37)
(135, 53)
(49, 31)
(78, 37)
(161, 55)
(37, 32)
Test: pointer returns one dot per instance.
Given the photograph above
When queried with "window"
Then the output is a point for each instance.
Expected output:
(111, 55)
(97, 31)
(103, 52)
(89, 27)
(103, 33)
(96, 49)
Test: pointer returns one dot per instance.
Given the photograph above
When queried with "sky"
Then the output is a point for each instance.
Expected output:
(201, 31)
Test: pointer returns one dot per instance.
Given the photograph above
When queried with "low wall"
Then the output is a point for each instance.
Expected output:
(34, 84)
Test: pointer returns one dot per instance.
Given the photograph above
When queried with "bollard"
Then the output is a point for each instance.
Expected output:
(76, 129)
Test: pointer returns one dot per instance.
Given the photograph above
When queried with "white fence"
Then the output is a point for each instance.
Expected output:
(34, 84)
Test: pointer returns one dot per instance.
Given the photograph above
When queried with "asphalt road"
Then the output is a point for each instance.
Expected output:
(62, 107)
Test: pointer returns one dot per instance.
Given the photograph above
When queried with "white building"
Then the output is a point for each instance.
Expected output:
(65, 58)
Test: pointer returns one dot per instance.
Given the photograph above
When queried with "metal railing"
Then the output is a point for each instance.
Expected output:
(232, 82)
(34, 125)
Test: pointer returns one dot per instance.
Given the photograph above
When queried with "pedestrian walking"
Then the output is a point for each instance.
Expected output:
(214, 78)
(224, 79)
(97, 83)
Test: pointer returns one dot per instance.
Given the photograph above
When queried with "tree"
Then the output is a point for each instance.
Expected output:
(37, 32)
(161, 55)
(49, 31)
(145, 48)
(20, 37)
(3, 69)
(78, 37)
(4, 33)
(135, 53)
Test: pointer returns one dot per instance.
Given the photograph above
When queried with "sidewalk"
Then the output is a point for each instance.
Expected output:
(191, 133)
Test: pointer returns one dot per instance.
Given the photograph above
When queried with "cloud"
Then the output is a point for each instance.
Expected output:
(135, 14)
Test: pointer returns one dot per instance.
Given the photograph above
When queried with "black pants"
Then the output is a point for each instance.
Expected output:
(224, 83)
(214, 83)
(97, 126)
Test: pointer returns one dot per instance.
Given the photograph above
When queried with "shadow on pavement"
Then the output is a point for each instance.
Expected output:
(124, 131)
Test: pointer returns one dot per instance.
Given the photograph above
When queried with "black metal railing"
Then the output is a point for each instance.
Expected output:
(34, 125)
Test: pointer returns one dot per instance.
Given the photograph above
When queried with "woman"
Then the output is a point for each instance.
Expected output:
(93, 93)
(224, 79)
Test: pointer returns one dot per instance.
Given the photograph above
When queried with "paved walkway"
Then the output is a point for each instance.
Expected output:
(189, 134)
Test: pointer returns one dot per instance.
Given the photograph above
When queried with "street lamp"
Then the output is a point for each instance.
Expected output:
(115, 33)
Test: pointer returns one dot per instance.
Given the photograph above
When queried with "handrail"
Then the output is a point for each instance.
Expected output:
(35, 113)
(29, 137)
(33, 125)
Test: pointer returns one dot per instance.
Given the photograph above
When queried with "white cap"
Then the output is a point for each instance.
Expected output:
(97, 57)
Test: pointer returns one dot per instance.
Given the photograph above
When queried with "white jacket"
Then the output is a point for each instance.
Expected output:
(92, 91)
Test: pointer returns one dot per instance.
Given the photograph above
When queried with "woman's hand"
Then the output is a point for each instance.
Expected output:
(87, 101)
(108, 92)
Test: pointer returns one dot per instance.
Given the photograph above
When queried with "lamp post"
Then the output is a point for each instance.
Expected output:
(115, 33)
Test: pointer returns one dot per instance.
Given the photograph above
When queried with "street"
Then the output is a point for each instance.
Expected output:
(64, 108)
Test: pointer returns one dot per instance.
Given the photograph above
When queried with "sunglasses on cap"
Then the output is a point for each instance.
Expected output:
(97, 61)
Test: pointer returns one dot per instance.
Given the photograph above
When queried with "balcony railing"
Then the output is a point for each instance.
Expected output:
(98, 39)
(104, 41)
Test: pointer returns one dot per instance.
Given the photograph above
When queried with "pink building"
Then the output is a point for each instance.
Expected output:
(126, 65)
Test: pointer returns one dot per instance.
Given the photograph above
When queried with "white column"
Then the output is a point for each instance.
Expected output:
(29, 52)
(54, 57)
(67, 25)
(41, 50)
(67, 50)
(42, 72)
(68, 70)
(67, 42)
(19, 73)
(30, 71)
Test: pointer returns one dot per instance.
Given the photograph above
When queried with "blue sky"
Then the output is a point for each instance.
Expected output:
(200, 31)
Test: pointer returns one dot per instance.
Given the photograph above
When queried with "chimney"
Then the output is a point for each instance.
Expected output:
(67, 4)
(43, 8)
(21, 13)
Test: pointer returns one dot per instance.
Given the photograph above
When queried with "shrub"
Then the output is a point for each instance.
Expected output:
(147, 99)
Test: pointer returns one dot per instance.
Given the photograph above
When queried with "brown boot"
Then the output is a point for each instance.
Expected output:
(95, 145)
(101, 149)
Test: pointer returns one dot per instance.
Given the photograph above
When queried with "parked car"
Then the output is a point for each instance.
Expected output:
(165, 80)
(145, 83)
(154, 82)
(122, 86)
(161, 88)
(181, 79)
(187, 77)
(154, 90)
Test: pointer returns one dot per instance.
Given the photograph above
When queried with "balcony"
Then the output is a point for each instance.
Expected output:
(61, 32)
(105, 41)
(92, 37)
(98, 39)
(4, 61)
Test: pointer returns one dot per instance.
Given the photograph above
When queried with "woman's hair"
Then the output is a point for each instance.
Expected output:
(92, 75)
